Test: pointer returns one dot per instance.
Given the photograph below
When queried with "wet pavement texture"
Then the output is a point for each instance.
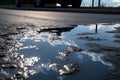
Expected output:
(77, 52)
(55, 19)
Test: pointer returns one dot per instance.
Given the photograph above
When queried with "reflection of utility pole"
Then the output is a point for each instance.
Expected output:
(96, 29)
(92, 3)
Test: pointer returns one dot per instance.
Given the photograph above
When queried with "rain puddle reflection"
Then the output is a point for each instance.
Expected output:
(69, 53)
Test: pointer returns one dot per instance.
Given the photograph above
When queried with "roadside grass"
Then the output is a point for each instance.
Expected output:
(7, 5)
(50, 5)
(24, 5)
(27, 5)
(14, 5)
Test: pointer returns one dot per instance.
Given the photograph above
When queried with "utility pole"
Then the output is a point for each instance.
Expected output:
(92, 3)
(99, 3)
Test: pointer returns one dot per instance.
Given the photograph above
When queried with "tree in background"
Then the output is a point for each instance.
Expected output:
(99, 1)
(92, 3)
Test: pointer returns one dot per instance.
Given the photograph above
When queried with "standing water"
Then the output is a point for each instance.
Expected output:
(69, 53)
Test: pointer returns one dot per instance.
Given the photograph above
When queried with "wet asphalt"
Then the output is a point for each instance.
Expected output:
(55, 19)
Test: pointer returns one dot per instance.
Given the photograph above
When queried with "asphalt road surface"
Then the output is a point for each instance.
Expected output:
(58, 19)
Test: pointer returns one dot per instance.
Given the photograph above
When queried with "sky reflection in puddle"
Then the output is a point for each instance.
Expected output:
(43, 45)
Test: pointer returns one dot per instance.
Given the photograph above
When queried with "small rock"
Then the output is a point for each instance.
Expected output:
(1, 41)
(86, 33)
(117, 35)
(53, 65)
(118, 41)
(69, 69)
(90, 38)
(64, 53)
(101, 48)
(20, 28)
(2, 55)
(63, 71)
(74, 49)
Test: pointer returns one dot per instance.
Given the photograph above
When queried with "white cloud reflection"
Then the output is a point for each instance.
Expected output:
(95, 57)
(45, 68)
(28, 47)
(52, 39)
(101, 26)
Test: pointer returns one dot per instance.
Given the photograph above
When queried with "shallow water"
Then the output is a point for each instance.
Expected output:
(40, 48)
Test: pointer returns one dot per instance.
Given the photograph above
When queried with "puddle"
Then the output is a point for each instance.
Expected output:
(63, 53)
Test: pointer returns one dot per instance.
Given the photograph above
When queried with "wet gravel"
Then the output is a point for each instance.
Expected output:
(94, 47)
(115, 59)
(112, 56)
(9, 59)
(90, 38)
(7, 42)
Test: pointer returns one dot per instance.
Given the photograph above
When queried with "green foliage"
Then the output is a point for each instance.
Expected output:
(7, 5)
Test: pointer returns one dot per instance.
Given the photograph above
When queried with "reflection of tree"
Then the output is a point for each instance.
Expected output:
(92, 3)
(99, 3)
